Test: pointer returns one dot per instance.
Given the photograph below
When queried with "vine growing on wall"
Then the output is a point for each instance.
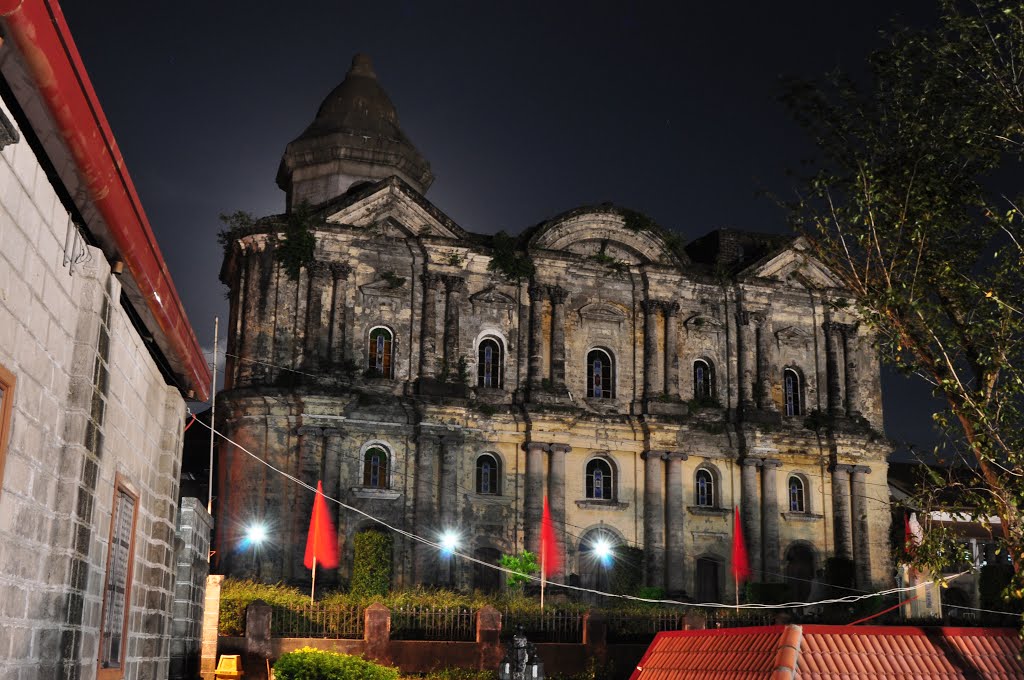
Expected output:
(506, 259)
(296, 248)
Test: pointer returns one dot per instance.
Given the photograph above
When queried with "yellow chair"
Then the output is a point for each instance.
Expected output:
(229, 666)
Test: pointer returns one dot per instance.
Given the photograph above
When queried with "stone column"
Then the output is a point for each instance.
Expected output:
(448, 499)
(849, 332)
(339, 322)
(449, 491)
(676, 524)
(770, 521)
(651, 309)
(332, 483)
(314, 312)
(536, 366)
(453, 287)
(428, 339)
(533, 501)
(249, 324)
(654, 518)
(746, 359)
(764, 364)
(750, 512)
(558, 298)
(556, 490)
(310, 466)
(841, 510)
(861, 537)
(671, 358)
(425, 519)
(833, 354)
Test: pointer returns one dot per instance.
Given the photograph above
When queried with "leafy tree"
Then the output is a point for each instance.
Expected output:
(907, 212)
(524, 564)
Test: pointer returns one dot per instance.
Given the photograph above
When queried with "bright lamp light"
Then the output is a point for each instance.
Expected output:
(602, 550)
(449, 541)
(256, 533)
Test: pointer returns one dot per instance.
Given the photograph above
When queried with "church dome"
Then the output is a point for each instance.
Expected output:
(355, 137)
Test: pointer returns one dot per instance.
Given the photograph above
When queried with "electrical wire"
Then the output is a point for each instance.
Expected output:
(434, 544)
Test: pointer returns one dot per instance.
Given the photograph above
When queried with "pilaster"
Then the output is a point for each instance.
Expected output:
(558, 298)
(770, 520)
(841, 510)
(676, 524)
(750, 512)
(654, 518)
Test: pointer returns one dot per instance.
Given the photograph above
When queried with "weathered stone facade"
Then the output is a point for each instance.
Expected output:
(94, 409)
(644, 387)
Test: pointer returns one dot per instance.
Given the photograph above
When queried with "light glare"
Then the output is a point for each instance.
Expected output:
(449, 541)
(602, 550)
(256, 533)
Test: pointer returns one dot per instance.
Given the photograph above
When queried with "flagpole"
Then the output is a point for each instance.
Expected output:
(542, 573)
(213, 411)
(313, 590)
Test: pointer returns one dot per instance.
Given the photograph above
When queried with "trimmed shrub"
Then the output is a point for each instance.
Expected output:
(309, 663)
(627, 570)
(236, 595)
(371, 565)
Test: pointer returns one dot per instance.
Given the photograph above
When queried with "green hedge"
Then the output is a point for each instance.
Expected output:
(236, 595)
(371, 564)
(308, 663)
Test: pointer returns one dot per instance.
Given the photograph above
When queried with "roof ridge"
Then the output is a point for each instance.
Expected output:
(788, 655)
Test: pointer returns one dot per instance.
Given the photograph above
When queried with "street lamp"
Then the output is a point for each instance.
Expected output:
(603, 551)
(255, 535)
(449, 544)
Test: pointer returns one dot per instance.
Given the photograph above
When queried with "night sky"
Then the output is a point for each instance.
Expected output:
(524, 110)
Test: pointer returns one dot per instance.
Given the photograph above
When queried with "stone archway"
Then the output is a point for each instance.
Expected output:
(799, 570)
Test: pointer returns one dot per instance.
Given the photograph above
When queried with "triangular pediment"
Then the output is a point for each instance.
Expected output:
(492, 296)
(386, 286)
(793, 335)
(602, 311)
(794, 266)
(702, 323)
(392, 208)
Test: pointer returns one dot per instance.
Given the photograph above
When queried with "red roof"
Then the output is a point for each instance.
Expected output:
(833, 653)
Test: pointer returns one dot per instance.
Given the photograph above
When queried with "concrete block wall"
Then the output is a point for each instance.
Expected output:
(58, 485)
(192, 565)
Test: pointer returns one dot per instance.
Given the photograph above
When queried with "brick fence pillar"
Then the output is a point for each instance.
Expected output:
(488, 638)
(211, 625)
(377, 632)
(595, 637)
(258, 617)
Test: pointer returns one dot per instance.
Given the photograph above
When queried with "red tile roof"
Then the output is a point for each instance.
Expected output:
(833, 653)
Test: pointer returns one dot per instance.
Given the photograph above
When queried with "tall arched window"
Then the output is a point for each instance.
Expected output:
(600, 375)
(703, 380)
(600, 483)
(381, 352)
(797, 495)
(489, 364)
(791, 392)
(488, 472)
(705, 488)
(375, 468)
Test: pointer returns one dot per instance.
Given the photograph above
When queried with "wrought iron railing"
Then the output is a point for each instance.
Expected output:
(456, 624)
(551, 625)
(318, 621)
(636, 627)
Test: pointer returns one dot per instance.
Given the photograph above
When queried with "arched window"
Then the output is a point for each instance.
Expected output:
(797, 495)
(488, 475)
(375, 468)
(600, 483)
(600, 375)
(703, 380)
(705, 488)
(791, 392)
(381, 352)
(489, 364)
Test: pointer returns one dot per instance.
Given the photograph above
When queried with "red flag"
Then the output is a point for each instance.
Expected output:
(550, 555)
(322, 540)
(740, 563)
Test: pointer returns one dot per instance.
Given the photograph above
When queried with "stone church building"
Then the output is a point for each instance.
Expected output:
(444, 380)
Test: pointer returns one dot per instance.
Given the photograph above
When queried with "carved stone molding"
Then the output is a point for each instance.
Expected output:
(340, 270)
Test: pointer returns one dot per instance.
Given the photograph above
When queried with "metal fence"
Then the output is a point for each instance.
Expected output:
(636, 627)
(318, 621)
(456, 624)
(727, 618)
(548, 626)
